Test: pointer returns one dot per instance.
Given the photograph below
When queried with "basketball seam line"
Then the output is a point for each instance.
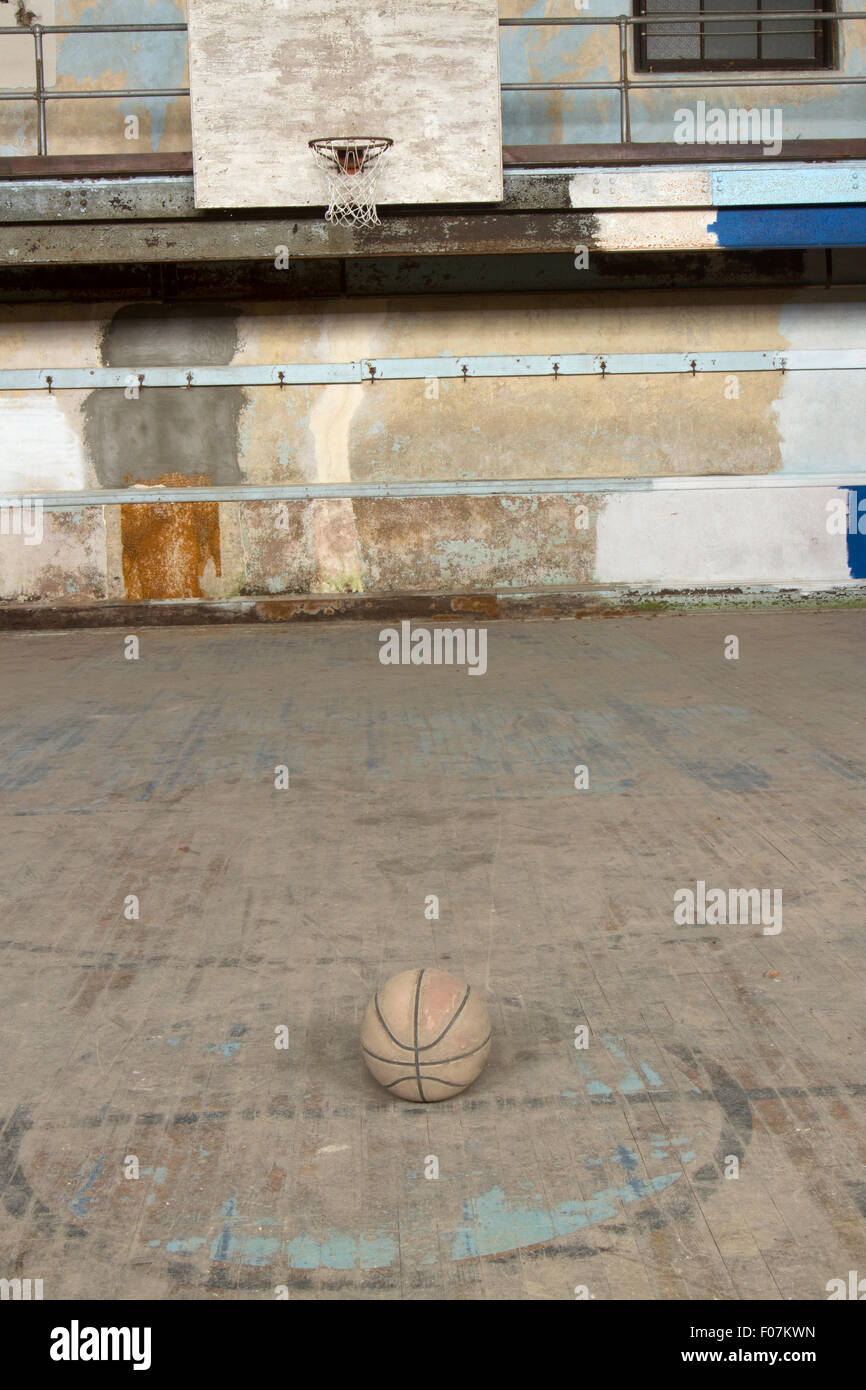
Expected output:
(417, 1061)
(395, 1041)
(434, 1061)
(442, 1082)
(407, 1047)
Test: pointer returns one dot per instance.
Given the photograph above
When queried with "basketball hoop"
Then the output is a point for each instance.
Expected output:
(351, 164)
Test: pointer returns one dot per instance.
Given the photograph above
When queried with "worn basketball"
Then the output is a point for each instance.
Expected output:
(425, 1035)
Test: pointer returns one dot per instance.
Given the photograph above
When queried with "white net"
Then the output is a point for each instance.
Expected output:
(351, 165)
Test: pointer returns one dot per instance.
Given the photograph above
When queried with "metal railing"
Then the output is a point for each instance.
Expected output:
(42, 96)
(624, 83)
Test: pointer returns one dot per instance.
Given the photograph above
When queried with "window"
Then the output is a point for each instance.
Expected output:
(738, 44)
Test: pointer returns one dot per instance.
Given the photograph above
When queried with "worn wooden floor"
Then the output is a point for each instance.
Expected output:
(149, 1044)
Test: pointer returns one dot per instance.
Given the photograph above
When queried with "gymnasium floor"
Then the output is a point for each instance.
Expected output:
(600, 1168)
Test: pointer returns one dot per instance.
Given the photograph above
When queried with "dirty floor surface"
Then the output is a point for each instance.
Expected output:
(147, 1044)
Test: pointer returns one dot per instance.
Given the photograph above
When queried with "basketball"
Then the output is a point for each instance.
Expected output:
(425, 1035)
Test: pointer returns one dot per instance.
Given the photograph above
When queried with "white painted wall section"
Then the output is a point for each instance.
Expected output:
(39, 451)
(676, 229)
(822, 415)
(748, 536)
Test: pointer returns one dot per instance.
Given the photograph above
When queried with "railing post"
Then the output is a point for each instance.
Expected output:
(41, 127)
(624, 112)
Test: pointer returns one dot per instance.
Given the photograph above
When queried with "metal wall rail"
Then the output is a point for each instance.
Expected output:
(479, 487)
(383, 369)
(623, 83)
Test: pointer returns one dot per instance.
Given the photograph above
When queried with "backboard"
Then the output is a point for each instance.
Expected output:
(265, 80)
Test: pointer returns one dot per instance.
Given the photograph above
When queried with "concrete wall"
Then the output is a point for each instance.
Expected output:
(676, 432)
(89, 62)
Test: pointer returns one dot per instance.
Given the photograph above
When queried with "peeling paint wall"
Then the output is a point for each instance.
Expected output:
(166, 431)
(18, 71)
(416, 545)
(69, 561)
(487, 428)
(93, 62)
(591, 54)
(659, 427)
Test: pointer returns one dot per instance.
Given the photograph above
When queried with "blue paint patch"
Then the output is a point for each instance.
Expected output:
(559, 54)
(249, 1250)
(491, 1224)
(784, 228)
(627, 1157)
(183, 1247)
(79, 1203)
(172, 1042)
(224, 1049)
(222, 1244)
(594, 1087)
(303, 1253)
(141, 61)
(856, 534)
(787, 184)
(498, 1226)
(342, 1251)
(631, 1082)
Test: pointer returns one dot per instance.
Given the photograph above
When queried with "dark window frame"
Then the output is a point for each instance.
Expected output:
(826, 53)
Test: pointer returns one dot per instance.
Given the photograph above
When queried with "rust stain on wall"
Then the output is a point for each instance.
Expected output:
(167, 546)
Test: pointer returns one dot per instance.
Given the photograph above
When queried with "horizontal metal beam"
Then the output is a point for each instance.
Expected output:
(171, 196)
(644, 152)
(91, 198)
(382, 369)
(108, 166)
(523, 487)
(444, 234)
(257, 238)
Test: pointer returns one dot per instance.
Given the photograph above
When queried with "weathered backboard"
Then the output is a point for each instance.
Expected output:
(266, 79)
